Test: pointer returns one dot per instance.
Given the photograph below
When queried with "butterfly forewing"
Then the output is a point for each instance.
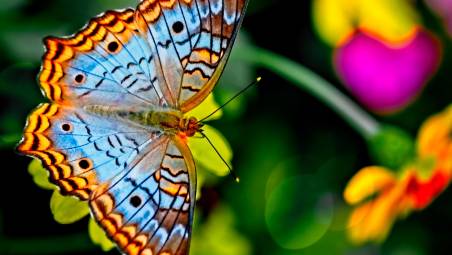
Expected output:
(193, 39)
(106, 63)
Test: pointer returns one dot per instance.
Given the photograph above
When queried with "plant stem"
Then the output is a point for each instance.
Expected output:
(307, 80)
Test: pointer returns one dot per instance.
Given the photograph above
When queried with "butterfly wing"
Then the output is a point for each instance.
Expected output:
(193, 39)
(141, 183)
(106, 63)
(79, 149)
(148, 208)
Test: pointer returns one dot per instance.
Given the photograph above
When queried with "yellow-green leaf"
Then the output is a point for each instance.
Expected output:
(205, 155)
(98, 236)
(218, 236)
(208, 106)
(66, 209)
(200, 179)
(40, 175)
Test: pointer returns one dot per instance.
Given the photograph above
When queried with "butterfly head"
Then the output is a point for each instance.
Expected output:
(190, 126)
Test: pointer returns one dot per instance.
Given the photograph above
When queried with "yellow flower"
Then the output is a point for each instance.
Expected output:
(336, 20)
(397, 195)
(435, 139)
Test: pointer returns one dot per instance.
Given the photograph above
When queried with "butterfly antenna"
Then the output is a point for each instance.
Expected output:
(236, 178)
(258, 79)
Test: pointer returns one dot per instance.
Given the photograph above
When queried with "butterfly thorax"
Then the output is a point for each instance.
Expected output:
(170, 121)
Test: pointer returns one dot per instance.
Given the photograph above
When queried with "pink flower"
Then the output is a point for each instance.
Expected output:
(386, 77)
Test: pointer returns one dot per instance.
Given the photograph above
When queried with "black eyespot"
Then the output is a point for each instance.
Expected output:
(178, 27)
(79, 78)
(66, 127)
(84, 164)
(135, 201)
(113, 47)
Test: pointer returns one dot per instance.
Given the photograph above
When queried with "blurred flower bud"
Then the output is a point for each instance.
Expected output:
(392, 147)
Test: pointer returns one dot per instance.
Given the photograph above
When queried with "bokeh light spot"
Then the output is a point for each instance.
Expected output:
(298, 213)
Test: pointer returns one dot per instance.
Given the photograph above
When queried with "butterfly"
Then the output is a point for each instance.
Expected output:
(115, 133)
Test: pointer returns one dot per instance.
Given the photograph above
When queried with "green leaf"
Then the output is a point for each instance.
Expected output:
(67, 209)
(205, 155)
(200, 181)
(17, 83)
(208, 106)
(115, 4)
(98, 236)
(40, 175)
(218, 236)
(7, 6)
(8, 141)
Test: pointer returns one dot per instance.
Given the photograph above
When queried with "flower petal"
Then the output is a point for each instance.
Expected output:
(332, 19)
(67, 209)
(355, 223)
(393, 20)
(40, 175)
(367, 182)
(98, 236)
(435, 134)
(386, 77)
(335, 20)
(423, 192)
(372, 221)
(204, 154)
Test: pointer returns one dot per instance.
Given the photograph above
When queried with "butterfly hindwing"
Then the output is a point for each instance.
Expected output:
(79, 149)
(148, 209)
(193, 39)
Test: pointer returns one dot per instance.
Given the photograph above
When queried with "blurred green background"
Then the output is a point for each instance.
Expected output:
(294, 155)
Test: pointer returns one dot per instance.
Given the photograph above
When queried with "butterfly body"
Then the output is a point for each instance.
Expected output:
(169, 121)
(115, 133)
